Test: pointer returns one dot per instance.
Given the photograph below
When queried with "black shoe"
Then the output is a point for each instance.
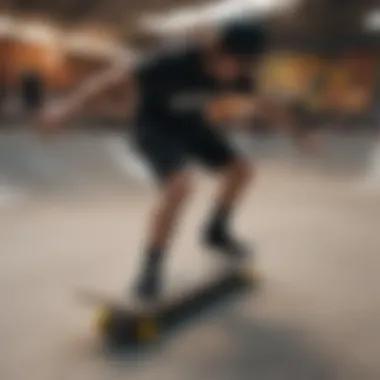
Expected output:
(148, 288)
(226, 245)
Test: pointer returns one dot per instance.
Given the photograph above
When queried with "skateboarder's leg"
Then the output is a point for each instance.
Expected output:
(217, 153)
(167, 157)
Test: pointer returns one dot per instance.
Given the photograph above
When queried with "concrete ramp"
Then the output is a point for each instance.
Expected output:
(68, 162)
(316, 317)
(102, 161)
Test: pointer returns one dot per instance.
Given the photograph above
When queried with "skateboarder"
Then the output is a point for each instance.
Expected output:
(184, 93)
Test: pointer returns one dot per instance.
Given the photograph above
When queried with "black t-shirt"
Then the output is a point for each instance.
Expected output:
(174, 87)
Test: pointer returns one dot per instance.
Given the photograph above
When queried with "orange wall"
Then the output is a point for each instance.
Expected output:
(59, 70)
(4, 61)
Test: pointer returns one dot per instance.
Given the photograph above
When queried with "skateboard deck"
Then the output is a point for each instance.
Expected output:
(124, 321)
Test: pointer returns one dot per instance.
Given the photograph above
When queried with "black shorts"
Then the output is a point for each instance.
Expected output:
(168, 151)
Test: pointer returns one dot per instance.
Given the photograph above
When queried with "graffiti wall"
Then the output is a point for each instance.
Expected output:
(346, 83)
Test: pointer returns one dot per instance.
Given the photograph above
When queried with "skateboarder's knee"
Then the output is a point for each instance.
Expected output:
(178, 187)
(241, 171)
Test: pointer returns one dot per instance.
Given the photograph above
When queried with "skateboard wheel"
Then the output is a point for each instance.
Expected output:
(250, 275)
(102, 320)
(147, 330)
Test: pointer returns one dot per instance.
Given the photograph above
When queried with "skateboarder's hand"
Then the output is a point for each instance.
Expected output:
(229, 108)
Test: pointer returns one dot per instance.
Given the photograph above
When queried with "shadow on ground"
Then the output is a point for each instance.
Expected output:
(248, 349)
(260, 350)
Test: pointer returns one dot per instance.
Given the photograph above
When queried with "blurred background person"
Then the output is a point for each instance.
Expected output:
(32, 92)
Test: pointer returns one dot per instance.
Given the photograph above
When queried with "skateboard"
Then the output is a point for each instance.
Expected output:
(123, 323)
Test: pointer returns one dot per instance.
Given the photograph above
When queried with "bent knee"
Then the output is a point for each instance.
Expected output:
(179, 186)
(243, 169)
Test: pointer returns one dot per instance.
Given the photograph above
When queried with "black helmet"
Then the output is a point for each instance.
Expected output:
(244, 38)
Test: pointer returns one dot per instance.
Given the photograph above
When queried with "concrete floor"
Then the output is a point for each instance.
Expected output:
(317, 315)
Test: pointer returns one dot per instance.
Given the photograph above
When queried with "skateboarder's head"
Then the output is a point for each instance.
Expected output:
(238, 46)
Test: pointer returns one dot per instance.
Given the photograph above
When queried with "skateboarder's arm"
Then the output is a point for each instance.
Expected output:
(235, 111)
(240, 102)
(228, 109)
(58, 113)
(94, 87)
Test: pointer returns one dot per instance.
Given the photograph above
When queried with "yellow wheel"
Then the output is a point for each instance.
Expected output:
(147, 330)
(250, 275)
(101, 320)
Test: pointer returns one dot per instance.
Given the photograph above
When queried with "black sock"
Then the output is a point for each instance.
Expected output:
(153, 260)
(219, 221)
